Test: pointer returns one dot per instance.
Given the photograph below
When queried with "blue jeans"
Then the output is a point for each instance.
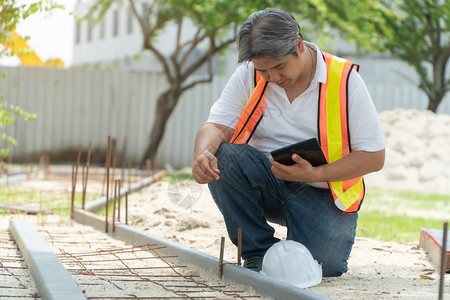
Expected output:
(249, 195)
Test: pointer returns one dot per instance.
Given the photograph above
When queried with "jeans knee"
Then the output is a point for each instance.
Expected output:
(228, 150)
(229, 156)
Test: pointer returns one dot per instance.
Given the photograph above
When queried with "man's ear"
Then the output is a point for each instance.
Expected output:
(300, 46)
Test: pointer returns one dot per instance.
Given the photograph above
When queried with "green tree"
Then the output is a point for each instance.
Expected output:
(215, 26)
(414, 31)
(8, 114)
(11, 13)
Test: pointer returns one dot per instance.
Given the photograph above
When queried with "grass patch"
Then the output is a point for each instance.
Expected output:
(401, 229)
(58, 203)
(177, 176)
(399, 215)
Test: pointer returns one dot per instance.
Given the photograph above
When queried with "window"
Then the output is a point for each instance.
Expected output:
(130, 17)
(77, 32)
(116, 22)
(102, 29)
(89, 31)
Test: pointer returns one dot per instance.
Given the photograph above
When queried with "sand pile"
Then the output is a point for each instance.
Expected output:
(417, 152)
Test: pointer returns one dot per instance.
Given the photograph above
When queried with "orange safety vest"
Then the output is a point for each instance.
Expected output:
(333, 131)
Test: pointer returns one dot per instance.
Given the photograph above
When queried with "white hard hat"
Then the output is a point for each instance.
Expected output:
(292, 262)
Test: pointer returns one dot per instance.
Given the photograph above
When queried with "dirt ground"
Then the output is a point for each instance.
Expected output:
(377, 270)
(417, 147)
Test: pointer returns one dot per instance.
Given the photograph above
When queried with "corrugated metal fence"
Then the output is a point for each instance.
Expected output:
(78, 106)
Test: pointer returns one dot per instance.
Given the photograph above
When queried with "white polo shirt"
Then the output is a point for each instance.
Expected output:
(285, 123)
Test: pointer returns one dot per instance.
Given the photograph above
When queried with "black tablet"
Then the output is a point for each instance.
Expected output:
(308, 149)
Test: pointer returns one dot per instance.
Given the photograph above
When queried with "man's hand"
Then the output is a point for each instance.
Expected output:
(204, 168)
(353, 165)
(207, 141)
(302, 170)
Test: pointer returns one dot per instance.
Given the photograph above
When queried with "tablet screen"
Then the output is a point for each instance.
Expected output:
(308, 149)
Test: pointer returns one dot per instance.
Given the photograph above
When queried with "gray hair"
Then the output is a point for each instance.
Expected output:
(271, 33)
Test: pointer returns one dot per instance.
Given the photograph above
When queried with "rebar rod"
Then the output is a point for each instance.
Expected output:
(108, 157)
(239, 247)
(126, 208)
(74, 181)
(85, 176)
(118, 199)
(222, 247)
(443, 262)
(114, 207)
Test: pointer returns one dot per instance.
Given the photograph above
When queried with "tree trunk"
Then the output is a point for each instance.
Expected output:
(433, 103)
(164, 108)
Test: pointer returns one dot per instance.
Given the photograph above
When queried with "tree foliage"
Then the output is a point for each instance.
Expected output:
(8, 114)
(414, 31)
(214, 23)
(11, 14)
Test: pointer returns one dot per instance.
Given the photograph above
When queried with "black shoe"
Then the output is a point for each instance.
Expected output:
(253, 263)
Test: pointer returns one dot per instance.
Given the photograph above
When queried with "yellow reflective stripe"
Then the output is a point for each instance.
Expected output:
(348, 197)
(333, 110)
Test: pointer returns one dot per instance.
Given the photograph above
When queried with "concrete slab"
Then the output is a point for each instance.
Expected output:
(12, 179)
(51, 278)
(24, 209)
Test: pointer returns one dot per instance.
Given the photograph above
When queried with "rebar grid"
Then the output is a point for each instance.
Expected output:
(16, 278)
(150, 273)
(105, 268)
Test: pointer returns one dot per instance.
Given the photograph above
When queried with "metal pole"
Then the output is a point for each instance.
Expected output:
(85, 177)
(222, 246)
(114, 207)
(239, 262)
(126, 208)
(108, 157)
(443, 261)
(74, 180)
(118, 199)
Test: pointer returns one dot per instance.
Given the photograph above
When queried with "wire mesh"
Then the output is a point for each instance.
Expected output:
(16, 281)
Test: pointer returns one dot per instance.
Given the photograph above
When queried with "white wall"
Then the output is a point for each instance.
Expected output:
(125, 49)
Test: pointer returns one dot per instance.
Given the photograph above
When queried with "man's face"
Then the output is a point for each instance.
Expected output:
(285, 72)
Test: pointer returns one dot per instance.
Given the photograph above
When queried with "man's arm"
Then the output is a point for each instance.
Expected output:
(355, 164)
(208, 140)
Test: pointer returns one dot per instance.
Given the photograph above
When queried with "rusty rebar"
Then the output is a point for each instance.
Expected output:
(74, 180)
(123, 162)
(126, 208)
(114, 207)
(114, 160)
(108, 157)
(129, 174)
(222, 248)
(118, 266)
(239, 247)
(85, 176)
(118, 198)
(73, 183)
(443, 261)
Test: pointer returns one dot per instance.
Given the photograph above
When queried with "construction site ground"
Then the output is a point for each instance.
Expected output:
(105, 268)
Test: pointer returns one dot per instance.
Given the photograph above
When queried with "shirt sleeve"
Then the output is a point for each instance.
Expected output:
(228, 108)
(366, 132)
